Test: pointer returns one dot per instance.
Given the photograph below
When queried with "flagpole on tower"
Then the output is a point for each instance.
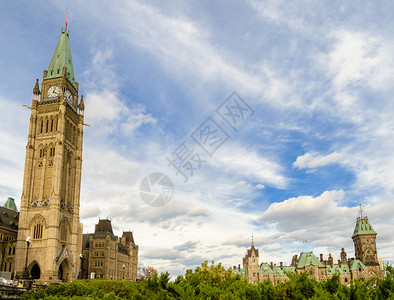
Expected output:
(66, 18)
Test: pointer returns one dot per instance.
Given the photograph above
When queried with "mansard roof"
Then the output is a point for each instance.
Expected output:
(103, 226)
(129, 237)
(308, 259)
(9, 219)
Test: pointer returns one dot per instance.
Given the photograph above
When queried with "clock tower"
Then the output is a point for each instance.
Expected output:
(49, 214)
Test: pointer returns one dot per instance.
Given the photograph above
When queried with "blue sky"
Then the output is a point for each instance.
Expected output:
(318, 75)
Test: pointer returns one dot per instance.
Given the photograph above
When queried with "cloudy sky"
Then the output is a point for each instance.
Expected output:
(314, 139)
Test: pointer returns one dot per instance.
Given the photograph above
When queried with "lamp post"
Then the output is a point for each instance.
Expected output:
(80, 266)
(123, 270)
(27, 255)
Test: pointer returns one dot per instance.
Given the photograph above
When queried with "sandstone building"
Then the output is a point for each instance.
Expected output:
(364, 266)
(44, 240)
(9, 218)
(107, 256)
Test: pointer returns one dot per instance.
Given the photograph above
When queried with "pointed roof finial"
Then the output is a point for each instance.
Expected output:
(36, 89)
(252, 240)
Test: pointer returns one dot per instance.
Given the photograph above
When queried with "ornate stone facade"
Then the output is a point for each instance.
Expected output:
(9, 218)
(364, 266)
(44, 240)
(107, 256)
(49, 212)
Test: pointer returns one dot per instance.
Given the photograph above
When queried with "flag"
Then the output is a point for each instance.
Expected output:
(66, 17)
(304, 241)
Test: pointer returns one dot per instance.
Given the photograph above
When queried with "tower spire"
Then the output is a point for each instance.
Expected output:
(62, 58)
(252, 240)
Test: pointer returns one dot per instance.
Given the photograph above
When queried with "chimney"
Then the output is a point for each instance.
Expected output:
(233, 267)
(321, 257)
(239, 267)
(281, 265)
(339, 262)
(296, 258)
(272, 265)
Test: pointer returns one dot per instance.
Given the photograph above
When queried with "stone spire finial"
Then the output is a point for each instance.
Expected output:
(36, 89)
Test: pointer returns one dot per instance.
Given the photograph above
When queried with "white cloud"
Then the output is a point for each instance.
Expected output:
(103, 105)
(320, 217)
(314, 160)
(238, 160)
(361, 58)
(260, 186)
(137, 117)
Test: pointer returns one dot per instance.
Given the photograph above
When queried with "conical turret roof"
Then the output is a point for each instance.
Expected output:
(62, 58)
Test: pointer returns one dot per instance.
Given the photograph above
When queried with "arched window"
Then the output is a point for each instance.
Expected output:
(5, 266)
(63, 231)
(13, 251)
(9, 250)
(38, 229)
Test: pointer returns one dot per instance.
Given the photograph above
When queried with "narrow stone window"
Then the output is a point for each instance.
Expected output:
(37, 230)
(63, 232)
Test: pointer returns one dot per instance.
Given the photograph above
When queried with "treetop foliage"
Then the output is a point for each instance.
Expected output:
(215, 282)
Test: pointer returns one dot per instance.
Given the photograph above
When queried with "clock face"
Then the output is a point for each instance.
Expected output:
(69, 97)
(53, 91)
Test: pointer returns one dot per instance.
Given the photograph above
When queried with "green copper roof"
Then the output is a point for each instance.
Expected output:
(338, 269)
(10, 204)
(363, 227)
(278, 271)
(289, 269)
(355, 264)
(242, 272)
(62, 58)
(307, 259)
(265, 268)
